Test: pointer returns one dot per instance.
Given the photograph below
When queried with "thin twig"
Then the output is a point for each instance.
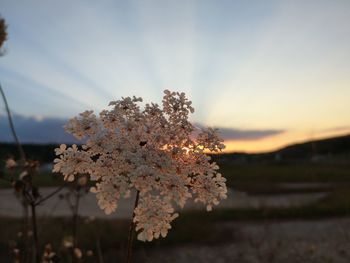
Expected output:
(50, 195)
(25, 192)
(99, 251)
(35, 233)
(26, 224)
(19, 146)
(75, 218)
(131, 230)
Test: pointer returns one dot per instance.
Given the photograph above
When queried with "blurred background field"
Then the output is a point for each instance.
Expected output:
(291, 205)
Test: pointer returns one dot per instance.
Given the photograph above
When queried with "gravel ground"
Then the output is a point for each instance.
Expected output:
(317, 241)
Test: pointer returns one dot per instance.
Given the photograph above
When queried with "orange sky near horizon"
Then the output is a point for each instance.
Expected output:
(277, 142)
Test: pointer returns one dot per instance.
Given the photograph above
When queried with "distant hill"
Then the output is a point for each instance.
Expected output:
(311, 150)
(324, 147)
(35, 130)
(43, 152)
(317, 149)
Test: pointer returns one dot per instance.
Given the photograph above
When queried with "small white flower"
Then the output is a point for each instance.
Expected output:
(77, 253)
(10, 163)
(61, 150)
(23, 174)
(153, 217)
(67, 242)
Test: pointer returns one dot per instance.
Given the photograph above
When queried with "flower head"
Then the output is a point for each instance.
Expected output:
(150, 150)
(10, 163)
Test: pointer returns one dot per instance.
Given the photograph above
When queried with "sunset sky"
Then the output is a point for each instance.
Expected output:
(267, 73)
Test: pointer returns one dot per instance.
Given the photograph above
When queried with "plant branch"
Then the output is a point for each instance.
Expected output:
(99, 251)
(50, 195)
(19, 146)
(75, 217)
(131, 230)
(35, 233)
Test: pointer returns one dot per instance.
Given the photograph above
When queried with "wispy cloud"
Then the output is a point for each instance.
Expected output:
(338, 129)
(234, 134)
(240, 135)
(37, 129)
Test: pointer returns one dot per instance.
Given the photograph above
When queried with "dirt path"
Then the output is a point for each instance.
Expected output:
(10, 206)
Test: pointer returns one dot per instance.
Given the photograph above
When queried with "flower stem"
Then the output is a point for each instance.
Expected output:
(75, 217)
(23, 163)
(99, 251)
(58, 189)
(19, 146)
(131, 230)
(35, 233)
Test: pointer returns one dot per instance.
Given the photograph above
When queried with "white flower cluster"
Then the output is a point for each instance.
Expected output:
(151, 150)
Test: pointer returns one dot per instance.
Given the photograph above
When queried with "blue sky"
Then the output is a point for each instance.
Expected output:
(251, 66)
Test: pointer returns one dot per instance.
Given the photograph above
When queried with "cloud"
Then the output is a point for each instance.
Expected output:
(246, 135)
(35, 130)
(337, 129)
